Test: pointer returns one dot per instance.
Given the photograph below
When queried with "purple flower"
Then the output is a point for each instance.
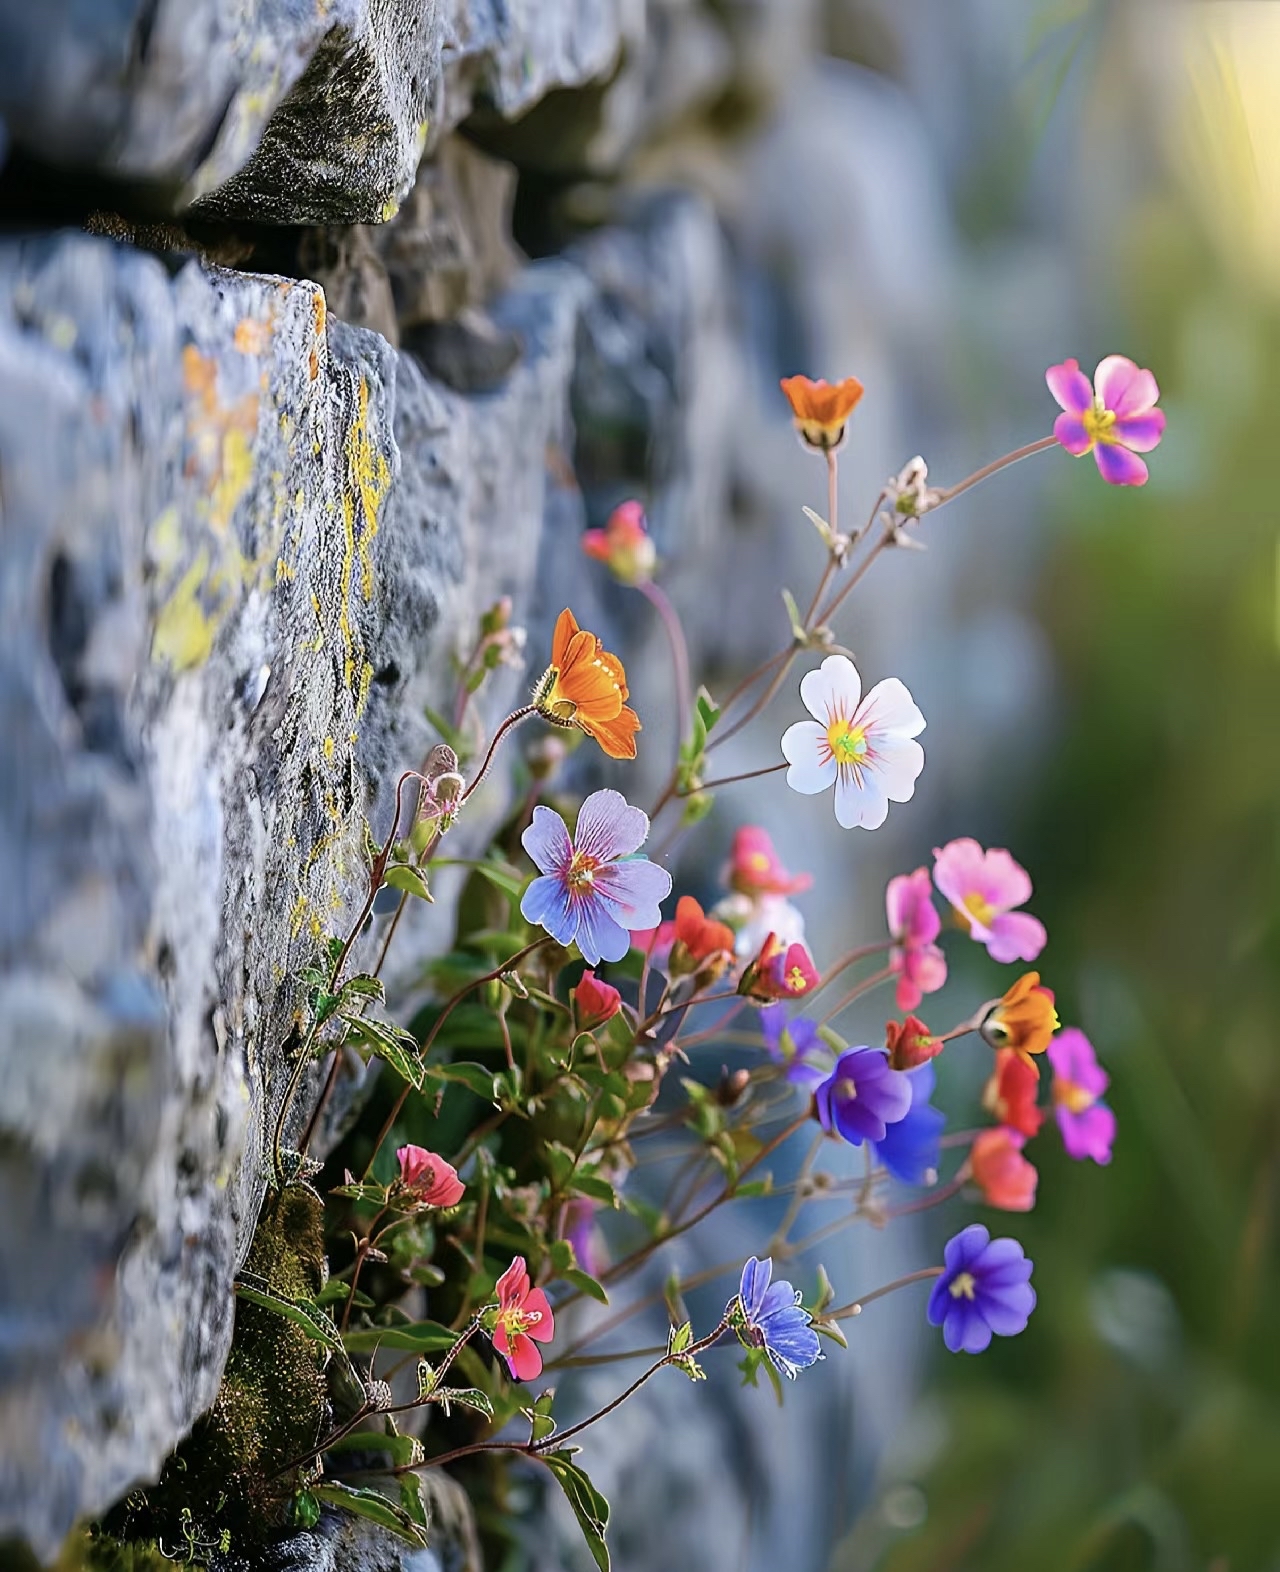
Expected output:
(909, 1149)
(863, 1096)
(775, 1321)
(1088, 1126)
(587, 895)
(984, 1288)
(794, 1044)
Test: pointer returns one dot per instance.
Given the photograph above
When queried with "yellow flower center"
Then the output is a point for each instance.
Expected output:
(582, 872)
(979, 908)
(963, 1286)
(1072, 1097)
(797, 982)
(846, 1088)
(517, 1322)
(550, 703)
(1098, 422)
(848, 743)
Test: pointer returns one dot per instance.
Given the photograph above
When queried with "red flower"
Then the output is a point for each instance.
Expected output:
(1005, 1177)
(624, 544)
(910, 1043)
(779, 972)
(697, 938)
(432, 1181)
(594, 1002)
(523, 1315)
(1010, 1094)
(754, 867)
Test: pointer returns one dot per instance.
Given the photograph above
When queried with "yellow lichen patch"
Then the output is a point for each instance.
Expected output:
(252, 336)
(234, 475)
(371, 475)
(184, 631)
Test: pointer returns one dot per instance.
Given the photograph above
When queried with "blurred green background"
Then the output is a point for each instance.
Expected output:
(1140, 1426)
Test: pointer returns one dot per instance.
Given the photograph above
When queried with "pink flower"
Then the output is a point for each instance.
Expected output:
(624, 544)
(780, 971)
(914, 924)
(656, 943)
(1115, 417)
(594, 1002)
(523, 1314)
(984, 887)
(754, 867)
(432, 1181)
(1088, 1126)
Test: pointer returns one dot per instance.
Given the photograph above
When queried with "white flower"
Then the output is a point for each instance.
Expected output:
(864, 747)
(754, 920)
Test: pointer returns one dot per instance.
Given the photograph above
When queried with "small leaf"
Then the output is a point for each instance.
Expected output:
(588, 1285)
(366, 986)
(756, 1187)
(541, 1424)
(465, 1397)
(405, 876)
(798, 630)
(707, 708)
(473, 1076)
(304, 1510)
(403, 1450)
(373, 1505)
(589, 1506)
(397, 1047)
(301, 1312)
(678, 1340)
(419, 1337)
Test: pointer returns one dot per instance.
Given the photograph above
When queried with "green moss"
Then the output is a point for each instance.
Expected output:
(232, 1475)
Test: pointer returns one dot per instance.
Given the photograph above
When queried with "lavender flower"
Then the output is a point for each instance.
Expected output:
(984, 1289)
(863, 1096)
(794, 1044)
(909, 1149)
(587, 894)
(773, 1319)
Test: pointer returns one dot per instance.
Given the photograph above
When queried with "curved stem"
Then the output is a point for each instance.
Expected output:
(996, 465)
(762, 703)
(854, 1307)
(856, 992)
(512, 720)
(657, 598)
(747, 775)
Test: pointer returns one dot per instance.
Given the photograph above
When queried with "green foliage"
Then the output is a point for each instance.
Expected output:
(589, 1506)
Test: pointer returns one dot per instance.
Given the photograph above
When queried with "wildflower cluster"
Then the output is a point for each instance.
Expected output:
(582, 971)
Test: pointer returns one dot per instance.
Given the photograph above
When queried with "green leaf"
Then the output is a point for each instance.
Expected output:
(336, 1290)
(374, 1506)
(707, 709)
(365, 986)
(598, 1189)
(448, 732)
(397, 1047)
(465, 1397)
(798, 630)
(589, 1506)
(696, 807)
(499, 874)
(541, 1424)
(401, 1449)
(404, 876)
(363, 1190)
(419, 1337)
(585, 1282)
(304, 1510)
(473, 1076)
(678, 1340)
(756, 1187)
(302, 1312)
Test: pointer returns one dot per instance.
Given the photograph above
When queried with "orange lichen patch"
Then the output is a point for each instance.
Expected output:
(252, 336)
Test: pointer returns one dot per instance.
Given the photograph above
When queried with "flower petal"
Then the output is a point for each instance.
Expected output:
(964, 1248)
(1016, 936)
(608, 826)
(833, 689)
(525, 1358)
(600, 936)
(513, 1285)
(548, 903)
(889, 711)
(755, 1282)
(1006, 1315)
(617, 736)
(637, 887)
(1070, 387)
(544, 1329)
(861, 801)
(547, 841)
(1119, 467)
(898, 762)
(1140, 433)
(1123, 387)
(808, 773)
(1072, 1057)
(1070, 432)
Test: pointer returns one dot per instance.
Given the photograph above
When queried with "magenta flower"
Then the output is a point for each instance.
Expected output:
(984, 887)
(1088, 1126)
(1115, 417)
(592, 890)
(914, 924)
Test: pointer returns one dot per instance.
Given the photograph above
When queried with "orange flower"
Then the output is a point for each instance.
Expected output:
(1024, 1020)
(1005, 1177)
(585, 686)
(698, 939)
(820, 409)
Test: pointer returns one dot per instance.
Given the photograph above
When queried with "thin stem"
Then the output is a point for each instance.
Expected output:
(444, 1015)
(760, 704)
(511, 721)
(833, 502)
(987, 470)
(657, 598)
(855, 1306)
(934, 1198)
(847, 960)
(856, 992)
(748, 775)
(799, 1195)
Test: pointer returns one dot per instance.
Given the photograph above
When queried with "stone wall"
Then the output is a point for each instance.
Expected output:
(283, 406)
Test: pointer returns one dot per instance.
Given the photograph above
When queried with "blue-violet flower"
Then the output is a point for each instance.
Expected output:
(793, 1044)
(863, 1096)
(985, 1288)
(773, 1319)
(909, 1149)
